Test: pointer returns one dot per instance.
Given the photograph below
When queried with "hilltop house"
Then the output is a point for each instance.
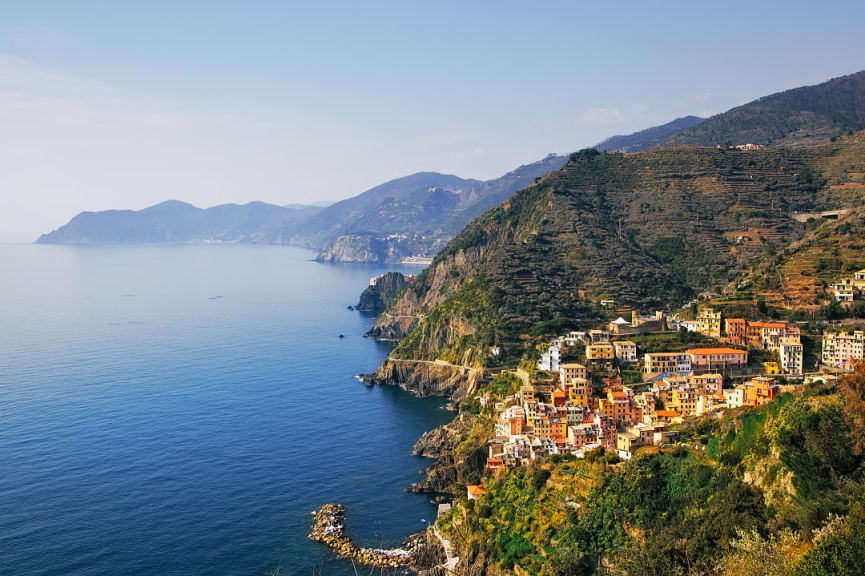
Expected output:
(849, 289)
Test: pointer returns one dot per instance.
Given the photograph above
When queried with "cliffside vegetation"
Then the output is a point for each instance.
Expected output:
(802, 115)
(770, 490)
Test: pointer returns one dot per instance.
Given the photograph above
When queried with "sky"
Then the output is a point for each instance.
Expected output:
(124, 104)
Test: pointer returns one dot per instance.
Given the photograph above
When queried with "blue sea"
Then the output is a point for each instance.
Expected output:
(181, 409)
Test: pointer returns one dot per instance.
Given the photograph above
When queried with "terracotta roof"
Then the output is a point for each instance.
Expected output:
(476, 490)
(715, 351)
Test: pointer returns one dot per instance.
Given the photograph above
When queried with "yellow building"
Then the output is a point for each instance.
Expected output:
(709, 322)
(626, 351)
(579, 392)
(684, 401)
(711, 383)
(600, 352)
(669, 362)
(771, 368)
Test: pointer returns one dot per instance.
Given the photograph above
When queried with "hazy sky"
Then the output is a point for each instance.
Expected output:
(124, 104)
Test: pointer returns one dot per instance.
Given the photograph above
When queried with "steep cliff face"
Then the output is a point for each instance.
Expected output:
(425, 378)
(360, 248)
(460, 454)
(433, 285)
(376, 297)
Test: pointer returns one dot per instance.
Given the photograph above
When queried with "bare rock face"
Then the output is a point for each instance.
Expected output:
(452, 469)
(392, 328)
(425, 378)
(376, 297)
(451, 473)
(438, 441)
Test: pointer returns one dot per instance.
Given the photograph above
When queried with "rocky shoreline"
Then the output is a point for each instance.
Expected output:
(447, 474)
(417, 552)
(425, 378)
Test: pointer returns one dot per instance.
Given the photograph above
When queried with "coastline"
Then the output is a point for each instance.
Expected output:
(420, 550)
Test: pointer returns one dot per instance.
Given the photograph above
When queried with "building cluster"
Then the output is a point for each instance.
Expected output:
(843, 350)
(572, 414)
(850, 288)
(782, 338)
(575, 407)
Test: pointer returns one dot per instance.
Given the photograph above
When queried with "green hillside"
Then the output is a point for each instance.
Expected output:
(752, 495)
(802, 115)
(648, 230)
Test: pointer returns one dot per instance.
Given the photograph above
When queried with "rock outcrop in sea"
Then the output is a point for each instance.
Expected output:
(419, 551)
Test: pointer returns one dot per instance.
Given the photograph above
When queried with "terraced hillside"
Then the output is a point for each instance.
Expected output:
(808, 114)
(804, 115)
(647, 229)
(798, 276)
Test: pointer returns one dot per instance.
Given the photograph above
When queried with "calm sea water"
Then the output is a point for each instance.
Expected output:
(181, 410)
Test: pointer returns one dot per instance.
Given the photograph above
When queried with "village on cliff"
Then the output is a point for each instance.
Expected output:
(619, 389)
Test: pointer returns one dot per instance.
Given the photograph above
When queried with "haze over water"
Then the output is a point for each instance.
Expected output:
(180, 409)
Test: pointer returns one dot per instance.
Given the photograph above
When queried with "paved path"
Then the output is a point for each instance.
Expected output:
(435, 363)
(451, 563)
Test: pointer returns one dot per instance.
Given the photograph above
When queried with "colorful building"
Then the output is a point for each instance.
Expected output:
(667, 362)
(709, 322)
(721, 359)
(626, 351)
(843, 349)
(736, 331)
(571, 371)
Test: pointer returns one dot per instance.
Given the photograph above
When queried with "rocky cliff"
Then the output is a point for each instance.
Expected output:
(426, 378)
(369, 248)
(460, 454)
(376, 297)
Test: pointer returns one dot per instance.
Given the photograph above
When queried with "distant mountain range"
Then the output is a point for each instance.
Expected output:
(420, 213)
(416, 214)
(175, 221)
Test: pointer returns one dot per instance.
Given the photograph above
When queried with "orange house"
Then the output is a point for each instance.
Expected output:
(736, 331)
(559, 398)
